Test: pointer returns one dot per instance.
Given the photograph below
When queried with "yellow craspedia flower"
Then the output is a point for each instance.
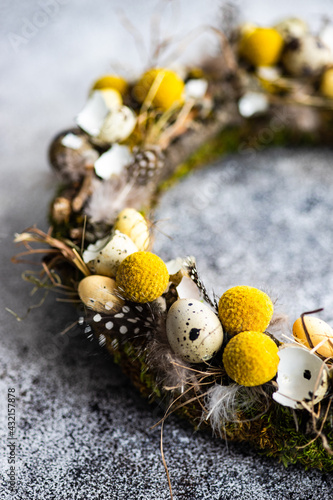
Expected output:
(261, 46)
(251, 358)
(142, 277)
(164, 86)
(245, 308)
(111, 82)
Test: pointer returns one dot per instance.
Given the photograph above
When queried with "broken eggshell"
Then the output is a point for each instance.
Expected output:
(194, 331)
(185, 286)
(117, 126)
(112, 254)
(99, 293)
(113, 161)
(302, 377)
(252, 103)
(96, 109)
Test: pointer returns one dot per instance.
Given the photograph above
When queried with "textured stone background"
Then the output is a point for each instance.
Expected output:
(82, 431)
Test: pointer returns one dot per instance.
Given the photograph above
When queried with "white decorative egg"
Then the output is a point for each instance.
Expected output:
(301, 377)
(194, 331)
(99, 294)
(109, 257)
(306, 56)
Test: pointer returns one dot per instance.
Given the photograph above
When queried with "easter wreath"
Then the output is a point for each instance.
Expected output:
(215, 361)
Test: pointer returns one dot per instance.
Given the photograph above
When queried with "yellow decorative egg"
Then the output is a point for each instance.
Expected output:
(318, 331)
(326, 86)
(142, 277)
(99, 293)
(261, 46)
(111, 82)
(163, 86)
(251, 358)
(134, 225)
(245, 308)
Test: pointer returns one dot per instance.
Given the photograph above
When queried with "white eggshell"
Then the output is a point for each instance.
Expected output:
(112, 162)
(187, 289)
(306, 56)
(109, 257)
(196, 88)
(253, 103)
(175, 265)
(99, 294)
(193, 330)
(326, 36)
(301, 376)
(96, 109)
(93, 249)
(118, 125)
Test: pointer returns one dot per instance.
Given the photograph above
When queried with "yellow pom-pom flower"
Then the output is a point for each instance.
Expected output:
(111, 82)
(251, 358)
(142, 277)
(261, 46)
(245, 308)
(163, 86)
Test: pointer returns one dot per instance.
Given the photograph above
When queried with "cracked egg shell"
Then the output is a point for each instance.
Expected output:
(110, 257)
(301, 377)
(193, 330)
(318, 331)
(117, 126)
(99, 294)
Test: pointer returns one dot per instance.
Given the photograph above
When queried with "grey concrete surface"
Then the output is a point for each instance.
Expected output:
(82, 431)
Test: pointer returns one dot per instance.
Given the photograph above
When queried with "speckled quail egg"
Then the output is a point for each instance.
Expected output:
(301, 377)
(306, 56)
(292, 27)
(112, 254)
(319, 333)
(99, 293)
(71, 153)
(193, 330)
(129, 221)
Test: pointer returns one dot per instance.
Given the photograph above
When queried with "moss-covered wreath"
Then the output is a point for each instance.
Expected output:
(215, 361)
